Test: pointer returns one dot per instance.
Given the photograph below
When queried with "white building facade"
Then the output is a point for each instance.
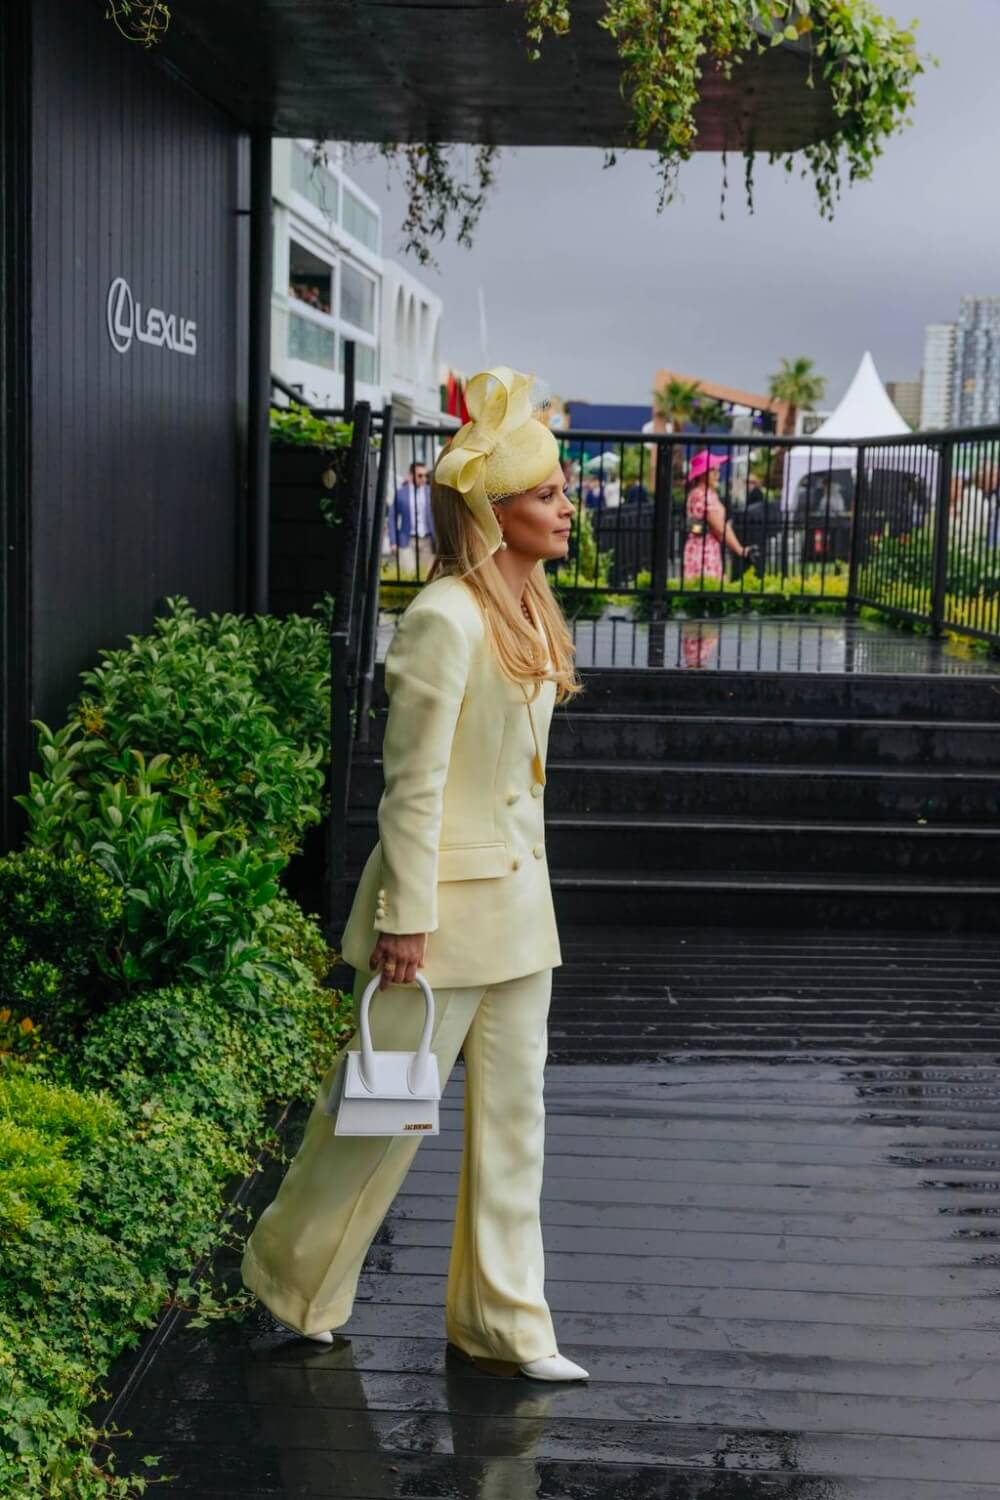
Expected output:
(410, 337)
(332, 284)
(937, 376)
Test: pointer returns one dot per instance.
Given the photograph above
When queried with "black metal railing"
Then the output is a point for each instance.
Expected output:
(353, 636)
(909, 525)
(927, 540)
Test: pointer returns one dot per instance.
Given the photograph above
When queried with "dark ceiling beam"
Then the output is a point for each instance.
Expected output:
(458, 70)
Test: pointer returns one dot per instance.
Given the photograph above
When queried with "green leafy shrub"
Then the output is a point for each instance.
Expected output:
(188, 773)
(187, 909)
(227, 719)
(588, 566)
(219, 1057)
(148, 921)
(287, 660)
(20, 1037)
(296, 939)
(295, 424)
(34, 1178)
(101, 1209)
(904, 563)
(58, 917)
(821, 592)
(115, 1191)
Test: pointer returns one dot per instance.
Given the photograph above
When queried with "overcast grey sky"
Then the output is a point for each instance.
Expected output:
(587, 285)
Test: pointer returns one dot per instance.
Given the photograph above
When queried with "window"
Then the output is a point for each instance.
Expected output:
(314, 182)
(360, 221)
(310, 341)
(357, 297)
(365, 362)
(310, 279)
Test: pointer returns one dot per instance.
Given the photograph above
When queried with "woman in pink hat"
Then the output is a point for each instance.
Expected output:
(708, 527)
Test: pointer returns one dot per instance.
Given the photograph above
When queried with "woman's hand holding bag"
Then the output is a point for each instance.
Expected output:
(399, 955)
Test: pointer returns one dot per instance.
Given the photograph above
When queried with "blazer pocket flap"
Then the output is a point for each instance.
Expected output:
(471, 861)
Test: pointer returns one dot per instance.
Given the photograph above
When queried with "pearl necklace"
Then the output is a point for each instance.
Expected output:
(526, 612)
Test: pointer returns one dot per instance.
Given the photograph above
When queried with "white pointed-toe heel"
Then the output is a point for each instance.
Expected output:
(554, 1367)
(317, 1338)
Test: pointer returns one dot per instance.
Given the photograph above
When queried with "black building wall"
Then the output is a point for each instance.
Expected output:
(137, 480)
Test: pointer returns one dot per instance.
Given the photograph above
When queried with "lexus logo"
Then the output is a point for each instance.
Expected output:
(128, 320)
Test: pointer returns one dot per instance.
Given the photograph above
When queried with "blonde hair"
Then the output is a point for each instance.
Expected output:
(461, 550)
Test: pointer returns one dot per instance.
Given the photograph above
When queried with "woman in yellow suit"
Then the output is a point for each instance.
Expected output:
(458, 887)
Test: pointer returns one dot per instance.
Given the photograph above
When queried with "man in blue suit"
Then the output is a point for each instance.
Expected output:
(411, 525)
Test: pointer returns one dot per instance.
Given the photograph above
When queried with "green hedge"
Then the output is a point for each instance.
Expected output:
(160, 996)
(819, 592)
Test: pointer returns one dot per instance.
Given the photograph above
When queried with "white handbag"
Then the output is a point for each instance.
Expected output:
(389, 1093)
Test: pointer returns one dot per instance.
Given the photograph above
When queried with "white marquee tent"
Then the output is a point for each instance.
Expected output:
(865, 411)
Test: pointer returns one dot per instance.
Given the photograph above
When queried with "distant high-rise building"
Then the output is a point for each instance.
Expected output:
(975, 382)
(905, 396)
(938, 371)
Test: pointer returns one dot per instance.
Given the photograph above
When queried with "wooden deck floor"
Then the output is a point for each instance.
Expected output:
(774, 1244)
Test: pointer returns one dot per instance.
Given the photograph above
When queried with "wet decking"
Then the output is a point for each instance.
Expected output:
(766, 643)
(772, 1237)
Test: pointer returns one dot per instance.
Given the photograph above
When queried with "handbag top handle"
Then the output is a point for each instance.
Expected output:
(416, 1073)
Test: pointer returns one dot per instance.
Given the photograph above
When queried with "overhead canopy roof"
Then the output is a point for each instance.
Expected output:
(458, 70)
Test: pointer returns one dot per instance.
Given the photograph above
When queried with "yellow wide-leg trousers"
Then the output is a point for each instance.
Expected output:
(305, 1254)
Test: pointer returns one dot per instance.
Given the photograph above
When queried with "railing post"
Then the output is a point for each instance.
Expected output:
(258, 527)
(661, 542)
(350, 352)
(860, 495)
(939, 574)
(373, 578)
(343, 678)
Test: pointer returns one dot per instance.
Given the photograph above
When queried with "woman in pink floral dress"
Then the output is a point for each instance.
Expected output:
(707, 523)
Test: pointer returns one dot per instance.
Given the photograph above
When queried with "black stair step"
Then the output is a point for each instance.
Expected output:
(861, 793)
(720, 898)
(886, 742)
(815, 847)
(855, 694)
(629, 841)
(738, 738)
(804, 740)
(790, 881)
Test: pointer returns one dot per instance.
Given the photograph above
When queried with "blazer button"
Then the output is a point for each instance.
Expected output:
(512, 797)
(538, 850)
(515, 863)
(537, 788)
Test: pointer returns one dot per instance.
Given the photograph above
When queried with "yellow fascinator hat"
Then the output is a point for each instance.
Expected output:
(503, 450)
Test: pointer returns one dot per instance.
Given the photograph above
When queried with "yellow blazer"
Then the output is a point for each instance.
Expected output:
(461, 849)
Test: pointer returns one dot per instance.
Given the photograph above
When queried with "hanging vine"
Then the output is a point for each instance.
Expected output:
(436, 195)
(139, 22)
(868, 62)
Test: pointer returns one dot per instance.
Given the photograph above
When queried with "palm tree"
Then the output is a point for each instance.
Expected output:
(675, 401)
(799, 386)
(673, 405)
(710, 414)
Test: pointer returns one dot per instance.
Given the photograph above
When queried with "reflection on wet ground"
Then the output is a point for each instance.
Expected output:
(779, 1257)
(764, 643)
